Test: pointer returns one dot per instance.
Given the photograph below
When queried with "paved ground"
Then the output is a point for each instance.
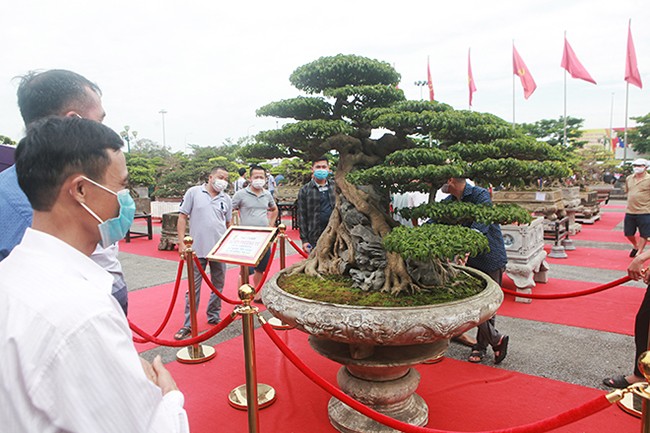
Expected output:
(565, 353)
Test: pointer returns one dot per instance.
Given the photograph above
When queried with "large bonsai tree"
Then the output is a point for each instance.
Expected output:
(388, 144)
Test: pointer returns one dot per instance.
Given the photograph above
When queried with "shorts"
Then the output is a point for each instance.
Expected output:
(261, 267)
(632, 222)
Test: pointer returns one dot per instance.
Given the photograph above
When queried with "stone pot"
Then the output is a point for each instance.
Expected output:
(548, 203)
(379, 346)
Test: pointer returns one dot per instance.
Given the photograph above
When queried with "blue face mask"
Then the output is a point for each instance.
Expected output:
(321, 173)
(114, 229)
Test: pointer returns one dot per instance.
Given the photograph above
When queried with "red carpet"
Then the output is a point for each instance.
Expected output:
(459, 394)
(617, 260)
(612, 310)
(147, 307)
(603, 230)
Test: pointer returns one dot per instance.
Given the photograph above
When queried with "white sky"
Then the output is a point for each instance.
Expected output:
(211, 64)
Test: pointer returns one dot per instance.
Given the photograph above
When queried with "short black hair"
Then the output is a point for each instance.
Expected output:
(241, 171)
(257, 167)
(319, 159)
(56, 147)
(218, 167)
(48, 93)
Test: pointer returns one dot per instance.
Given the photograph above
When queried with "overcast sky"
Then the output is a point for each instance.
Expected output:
(211, 64)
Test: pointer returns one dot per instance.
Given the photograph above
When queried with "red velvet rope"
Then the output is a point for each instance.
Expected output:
(190, 341)
(569, 295)
(179, 274)
(219, 294)
(591, 407)
(297, 248)
(268, 268)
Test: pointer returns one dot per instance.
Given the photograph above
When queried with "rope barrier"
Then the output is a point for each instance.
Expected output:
(179, 275)
(211, 286)
(297, 248)
(190, 341)
(221, 295)
(589, 408)
(569, 295)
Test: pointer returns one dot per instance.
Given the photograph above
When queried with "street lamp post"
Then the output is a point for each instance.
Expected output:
(421, 84)
(126, 136)
(162, 114)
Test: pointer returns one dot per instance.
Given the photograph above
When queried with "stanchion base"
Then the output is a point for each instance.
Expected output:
(632, 404)
(278, 324)
(265, 396)
(186, 355)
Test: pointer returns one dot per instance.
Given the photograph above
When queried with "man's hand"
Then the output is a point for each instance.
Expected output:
(164, 379)
(148, 369)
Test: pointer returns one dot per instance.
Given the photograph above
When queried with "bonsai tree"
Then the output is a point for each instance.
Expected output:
(422, 145)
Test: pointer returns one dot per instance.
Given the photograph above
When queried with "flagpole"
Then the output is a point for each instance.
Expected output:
(627, 90)
(564, 141)
(611, 125)
(513, 90)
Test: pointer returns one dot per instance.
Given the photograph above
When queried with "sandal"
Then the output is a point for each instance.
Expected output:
(619, 382)
(476, 356)
(182, 333)
(501, 349)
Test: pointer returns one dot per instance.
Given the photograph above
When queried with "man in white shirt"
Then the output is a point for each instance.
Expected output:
(55, 92)
(67, 362)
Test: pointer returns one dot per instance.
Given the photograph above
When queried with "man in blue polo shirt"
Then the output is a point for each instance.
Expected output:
(209, 210)
(492, 263)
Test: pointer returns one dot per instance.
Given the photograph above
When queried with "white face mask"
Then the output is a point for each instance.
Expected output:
(639, 170)
(258, 183)
(219, 185)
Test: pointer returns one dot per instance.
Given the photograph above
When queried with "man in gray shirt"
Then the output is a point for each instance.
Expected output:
(209, 210)
(256, 208)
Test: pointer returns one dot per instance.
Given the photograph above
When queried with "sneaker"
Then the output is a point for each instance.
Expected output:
(214, 321)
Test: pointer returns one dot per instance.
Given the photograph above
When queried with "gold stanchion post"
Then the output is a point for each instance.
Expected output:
(195, 353)
(251, 396)
(282, 239)
(636, 402)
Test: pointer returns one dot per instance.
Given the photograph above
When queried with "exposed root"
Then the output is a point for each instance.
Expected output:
(397, 277)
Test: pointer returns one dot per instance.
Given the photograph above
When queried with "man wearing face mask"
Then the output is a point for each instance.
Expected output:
(61, 93)
(209, 210)
(257, 209)
(637, 214)
(316, 200)
(66, 351)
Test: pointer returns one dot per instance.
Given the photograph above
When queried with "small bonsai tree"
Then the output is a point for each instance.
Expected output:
(423, 144)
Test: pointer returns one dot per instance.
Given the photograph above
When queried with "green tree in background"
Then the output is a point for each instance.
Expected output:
(551, 131)
(639, 137)
(6, 140)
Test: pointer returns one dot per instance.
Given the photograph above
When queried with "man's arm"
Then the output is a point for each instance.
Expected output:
(181, 226)
(273, 215)
(635, 269)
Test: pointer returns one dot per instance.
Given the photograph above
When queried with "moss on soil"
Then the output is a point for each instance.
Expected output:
(338, 290)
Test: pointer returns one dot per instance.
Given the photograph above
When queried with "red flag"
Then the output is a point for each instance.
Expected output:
(470, 77)
(632, 75)
(520, 69)
(571, 63)
(429, 82)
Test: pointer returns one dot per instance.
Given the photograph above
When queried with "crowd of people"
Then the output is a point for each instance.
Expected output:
(64, 206)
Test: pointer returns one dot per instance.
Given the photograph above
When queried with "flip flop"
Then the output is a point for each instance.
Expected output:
(476, 356)
(501, 349)
(618, 382)
(182, 333)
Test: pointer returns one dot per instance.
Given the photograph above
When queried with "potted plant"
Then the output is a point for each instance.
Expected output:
(379, 345)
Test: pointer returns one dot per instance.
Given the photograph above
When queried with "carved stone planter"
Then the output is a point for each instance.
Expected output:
(526, 256)
(547, 203)
(590, 207)
(379, 346)
(169, 235)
